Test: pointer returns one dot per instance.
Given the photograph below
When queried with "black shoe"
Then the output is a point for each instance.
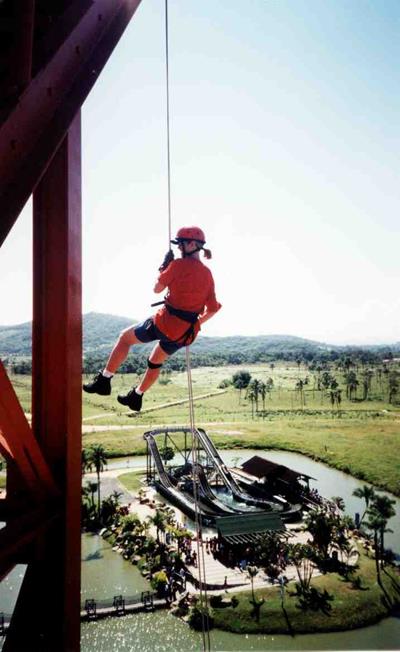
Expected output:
(99, 385)
(132, 400)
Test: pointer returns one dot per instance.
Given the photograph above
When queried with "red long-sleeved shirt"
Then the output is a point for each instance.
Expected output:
(190, 287)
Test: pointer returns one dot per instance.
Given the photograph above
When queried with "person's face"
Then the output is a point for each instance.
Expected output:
(187, 246)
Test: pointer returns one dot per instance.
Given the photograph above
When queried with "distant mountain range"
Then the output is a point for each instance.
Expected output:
(101, 330)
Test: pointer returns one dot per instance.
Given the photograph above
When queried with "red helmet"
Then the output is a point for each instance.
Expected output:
(189, 233)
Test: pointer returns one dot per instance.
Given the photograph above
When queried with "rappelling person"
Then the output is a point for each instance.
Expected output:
(189, 302)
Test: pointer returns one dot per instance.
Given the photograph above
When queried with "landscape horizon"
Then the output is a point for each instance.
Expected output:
(111, 321)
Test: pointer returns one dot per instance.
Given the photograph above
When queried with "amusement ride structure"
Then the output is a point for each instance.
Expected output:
(198, 479)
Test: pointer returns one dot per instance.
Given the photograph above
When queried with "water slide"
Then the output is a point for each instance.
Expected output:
(224, 472)
(210, 505)
(208, 495)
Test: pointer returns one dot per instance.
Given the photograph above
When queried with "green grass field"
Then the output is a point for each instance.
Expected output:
(361, 439)
(351, 607)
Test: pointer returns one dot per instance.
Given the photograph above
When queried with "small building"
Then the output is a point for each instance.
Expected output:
(266, 476)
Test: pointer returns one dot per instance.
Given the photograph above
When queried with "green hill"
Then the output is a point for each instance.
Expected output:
(101, 330)
(16, 340)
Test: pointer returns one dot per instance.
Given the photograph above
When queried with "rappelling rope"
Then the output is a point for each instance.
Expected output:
(199, 540)
(168, 127)
(198, 524)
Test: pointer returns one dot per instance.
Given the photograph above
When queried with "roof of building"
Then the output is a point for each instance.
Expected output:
(245, 528)
(259, 467)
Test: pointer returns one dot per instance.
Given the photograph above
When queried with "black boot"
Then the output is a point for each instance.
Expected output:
(132, 400)
(99, 385)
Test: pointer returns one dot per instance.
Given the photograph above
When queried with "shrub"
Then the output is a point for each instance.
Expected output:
(215, 600)
(200, 616)
(159, 581)
(226, 382)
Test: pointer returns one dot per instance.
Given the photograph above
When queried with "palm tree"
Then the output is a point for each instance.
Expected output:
(367, 493)
(86, 462)
(252, 572)
(382, 508)
(252, 398)
(263, 392)
(351, 384)
(253, 391)
(339, 503)
(300, 389)
(300, 555)
(109, 508)
(375, 523)
(324, 525)
(130, 523)
(89, 490)
(98, 459)
(159, 522)
(393, 385)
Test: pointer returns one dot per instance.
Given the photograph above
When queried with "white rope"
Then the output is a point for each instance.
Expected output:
(198, 520)
(198, 524)
(168, 125)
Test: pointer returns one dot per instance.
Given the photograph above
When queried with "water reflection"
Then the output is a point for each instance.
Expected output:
(162, 632)
(106, 573)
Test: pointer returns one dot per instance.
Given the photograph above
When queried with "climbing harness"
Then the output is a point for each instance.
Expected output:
(191, 317)
(185, 315)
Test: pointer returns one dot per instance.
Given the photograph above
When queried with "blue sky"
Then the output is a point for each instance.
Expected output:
(284, 148)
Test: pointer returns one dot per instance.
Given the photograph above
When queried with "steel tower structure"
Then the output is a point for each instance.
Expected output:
(51, 53)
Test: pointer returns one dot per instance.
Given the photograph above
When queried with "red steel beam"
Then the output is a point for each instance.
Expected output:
(22, 55)
(35, 128)
(56, 404)
(57, 365)
(18, 444)
(21, 531)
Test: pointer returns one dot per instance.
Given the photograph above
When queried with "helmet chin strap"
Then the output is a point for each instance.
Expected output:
(186, 254)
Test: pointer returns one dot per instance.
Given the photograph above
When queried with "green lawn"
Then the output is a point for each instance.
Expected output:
(361, 438)
(351, 607)
(132, 480)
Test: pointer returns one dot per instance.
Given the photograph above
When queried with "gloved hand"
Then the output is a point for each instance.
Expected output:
(169, 257)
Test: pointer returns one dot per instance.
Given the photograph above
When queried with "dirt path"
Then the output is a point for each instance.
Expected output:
(222, 431)
(156, 407)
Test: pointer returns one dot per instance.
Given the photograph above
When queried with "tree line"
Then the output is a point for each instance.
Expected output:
(303, 357)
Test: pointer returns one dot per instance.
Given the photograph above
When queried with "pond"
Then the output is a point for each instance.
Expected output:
(162, 632)
(106, 573)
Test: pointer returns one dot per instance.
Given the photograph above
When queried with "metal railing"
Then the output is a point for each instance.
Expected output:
(118, 603)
